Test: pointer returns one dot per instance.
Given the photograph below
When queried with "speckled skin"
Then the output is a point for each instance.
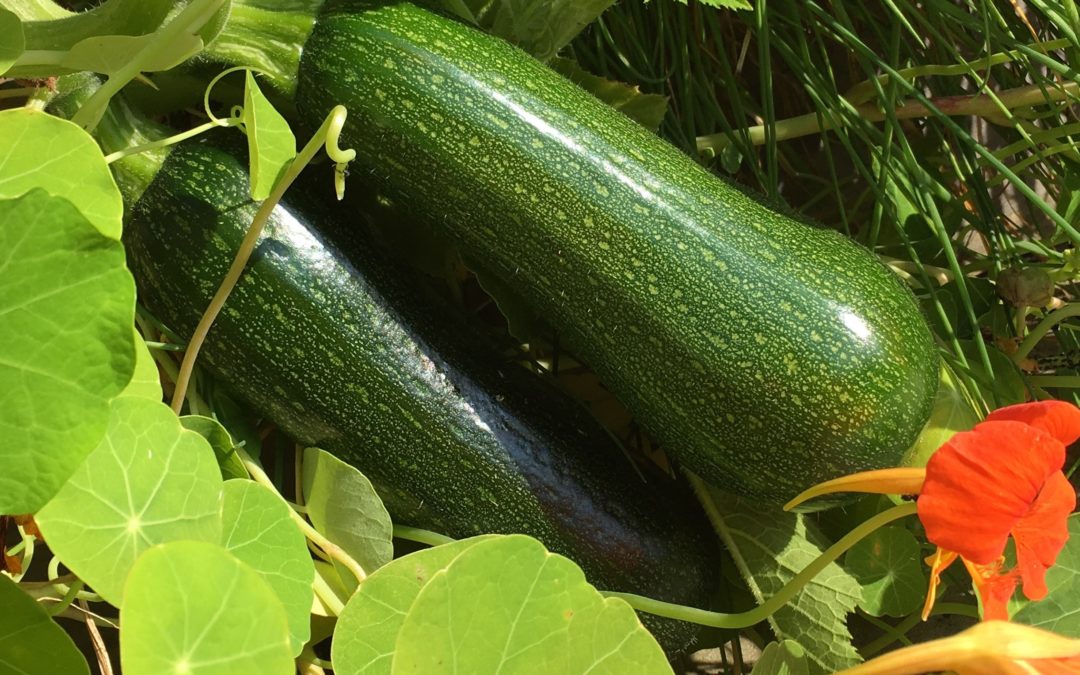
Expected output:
(766, 354)
(344, 356)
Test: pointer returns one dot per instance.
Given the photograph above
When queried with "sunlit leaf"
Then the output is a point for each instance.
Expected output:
(257, 529)
(39, 150)
(192, 607)
(769, 548)
(14, 43)
(367, 630)
(342, 505)
(149, 481)
(145, 381)
(66, 308)
(648, 110)
(107, 54)
(220, 441)
(888, 565)
(782, 658)
(31, 643)
(271, 144)
(506, 605)
(1059, 611)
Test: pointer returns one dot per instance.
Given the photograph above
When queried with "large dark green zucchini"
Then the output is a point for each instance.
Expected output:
(764, 353)
(327, 342)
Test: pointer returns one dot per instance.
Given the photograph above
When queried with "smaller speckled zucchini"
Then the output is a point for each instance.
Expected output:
(326, 341)
(765, 354)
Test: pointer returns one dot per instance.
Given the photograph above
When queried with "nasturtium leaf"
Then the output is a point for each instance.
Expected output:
(648, 110)
(508, 606)
(770, 547)
(271, 144)
(888, 565)
(256, 527)
(343, 505)
(149, 481)
(13, 44)
(67, 303)
(31, 643)
(782, 658)
(1059, 611)
(145, 381)
(367, 630)
(108, 54)
(192, 607)
(39, 150)
(221, 443)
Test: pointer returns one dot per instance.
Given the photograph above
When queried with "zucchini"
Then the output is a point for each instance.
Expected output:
(764, 353)
(326, 341)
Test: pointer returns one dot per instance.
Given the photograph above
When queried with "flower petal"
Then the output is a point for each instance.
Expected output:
(1058, 418)
(1042, 532)
(937, 562)
(994, 589)
(980, 483)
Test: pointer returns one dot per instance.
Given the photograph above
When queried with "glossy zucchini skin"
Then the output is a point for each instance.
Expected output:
(327, 341)
(764, 353)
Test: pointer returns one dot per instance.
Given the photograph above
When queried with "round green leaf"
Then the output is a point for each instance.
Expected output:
(150, 481)
(67, 304)
(30, 641)
(257, 529)
(367, 630)
(39, 150)
(14, 42)
(192, 607)
(782, 658)
(343, 505)
(508, 606)
(145, 382)
(221, 441)
(888, 566)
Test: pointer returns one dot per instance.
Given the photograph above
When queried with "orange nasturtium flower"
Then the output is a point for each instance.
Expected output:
(1003, 478)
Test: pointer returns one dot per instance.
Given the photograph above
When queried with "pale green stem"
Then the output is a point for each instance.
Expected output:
(332, 549)
(18, 92)
(767, 608)
(327, 134)
(1039, 331)
(69, 597)
(979, 105)
(171, 140)
(421, 536)
(328, 596)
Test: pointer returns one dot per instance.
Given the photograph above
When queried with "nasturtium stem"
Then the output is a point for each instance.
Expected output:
(332, 549)
(69, 597)
(171, 140)
(328, 597)
(421, 536)
(327, 135)
(767, 608)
